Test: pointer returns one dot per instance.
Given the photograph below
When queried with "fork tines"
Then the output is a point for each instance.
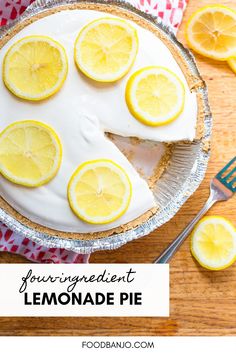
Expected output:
(227, 176)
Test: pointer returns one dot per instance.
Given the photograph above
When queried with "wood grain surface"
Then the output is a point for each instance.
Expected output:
(202, 302)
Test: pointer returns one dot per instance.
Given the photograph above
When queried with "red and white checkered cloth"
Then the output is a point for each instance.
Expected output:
(171, 12)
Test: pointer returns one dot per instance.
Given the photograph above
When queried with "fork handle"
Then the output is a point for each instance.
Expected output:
(175, 245)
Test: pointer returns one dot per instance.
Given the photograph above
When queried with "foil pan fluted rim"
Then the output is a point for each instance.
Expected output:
(191, 183)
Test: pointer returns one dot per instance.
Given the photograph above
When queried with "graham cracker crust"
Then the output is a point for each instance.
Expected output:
(193, 83)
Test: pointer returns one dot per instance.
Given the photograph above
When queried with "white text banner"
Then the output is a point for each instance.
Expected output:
(84, 290)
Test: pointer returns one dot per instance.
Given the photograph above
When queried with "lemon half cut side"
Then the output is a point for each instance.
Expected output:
(30, 153)
(105, 49)
(211, 31)
(35, 67)
(99, 191)
(213, 242)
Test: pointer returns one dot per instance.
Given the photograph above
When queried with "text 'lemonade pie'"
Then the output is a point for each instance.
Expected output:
(89, 71)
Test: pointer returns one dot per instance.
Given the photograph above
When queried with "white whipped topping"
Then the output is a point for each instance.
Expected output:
(80, 113)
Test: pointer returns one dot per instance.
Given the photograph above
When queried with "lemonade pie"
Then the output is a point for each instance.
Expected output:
(72, 76)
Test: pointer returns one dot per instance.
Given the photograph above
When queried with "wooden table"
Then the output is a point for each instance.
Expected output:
(202, 302)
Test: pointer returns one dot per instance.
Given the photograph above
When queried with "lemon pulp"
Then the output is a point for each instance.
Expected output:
(105, 49)
(99, 191)
(214, 243)
(155, 95)
(35, 67)
(211, 31)
(30, 153)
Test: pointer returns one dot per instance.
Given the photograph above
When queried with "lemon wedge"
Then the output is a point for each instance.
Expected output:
(155, 95)
(213, 243)
(99, 191)
(30, 153)
(35, 67)
(106, 48)
(211, 31)
(232, 63)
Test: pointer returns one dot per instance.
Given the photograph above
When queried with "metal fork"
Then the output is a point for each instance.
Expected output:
(222, 187)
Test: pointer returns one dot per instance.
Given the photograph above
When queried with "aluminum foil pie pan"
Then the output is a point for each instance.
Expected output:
(186, 169)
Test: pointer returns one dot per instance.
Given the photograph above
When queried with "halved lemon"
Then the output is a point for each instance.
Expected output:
(30, 153)
(211, 31)
(213, 243)
(155, 95)
(35, 67)
(99, 191)
(232, 63)
(105, 49)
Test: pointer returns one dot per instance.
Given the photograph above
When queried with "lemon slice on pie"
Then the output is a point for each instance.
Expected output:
(30, 153)
(35, 67)
(211, 31)
(155, 95)
(214, 243)
(232, 63)
(99, 191)
(106, 48)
